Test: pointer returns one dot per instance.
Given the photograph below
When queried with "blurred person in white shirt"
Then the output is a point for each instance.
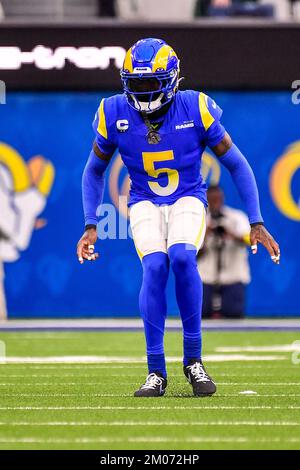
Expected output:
(1, 12)
(223, 260)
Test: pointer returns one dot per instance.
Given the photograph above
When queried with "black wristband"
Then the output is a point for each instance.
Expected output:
(89, 226)
(256, 223)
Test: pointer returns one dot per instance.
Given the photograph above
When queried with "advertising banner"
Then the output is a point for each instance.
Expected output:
(89, 56)
(45, 139)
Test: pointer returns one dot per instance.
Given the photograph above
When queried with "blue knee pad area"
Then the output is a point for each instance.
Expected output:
(153, 303)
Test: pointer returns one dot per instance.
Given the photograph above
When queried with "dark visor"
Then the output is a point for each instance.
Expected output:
(143, 85)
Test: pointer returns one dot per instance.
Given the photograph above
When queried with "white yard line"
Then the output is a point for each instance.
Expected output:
(76, 367)
(125, 408)
(62, 384)
(280, 384)
(215, 439)
(157, 439)
(64, 395)
(108, 376)
(71, 359)
(118, 395)
(56, 336)
(99, 383)
(148, 423)
(60, 376)
(60, 367)
(295, 346)
(129, 360)
(82, 440)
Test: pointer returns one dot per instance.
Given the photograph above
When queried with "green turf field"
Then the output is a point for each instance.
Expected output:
(90, 405)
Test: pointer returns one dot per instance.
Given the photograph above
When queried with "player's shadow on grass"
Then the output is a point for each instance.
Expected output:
(182, 391)
(183, 395)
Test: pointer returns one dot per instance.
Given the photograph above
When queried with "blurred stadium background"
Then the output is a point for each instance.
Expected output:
(57, 59)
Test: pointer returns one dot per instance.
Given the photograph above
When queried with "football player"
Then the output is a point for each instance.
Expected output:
(161, 133)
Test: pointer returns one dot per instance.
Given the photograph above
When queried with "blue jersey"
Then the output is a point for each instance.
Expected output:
(170, 169)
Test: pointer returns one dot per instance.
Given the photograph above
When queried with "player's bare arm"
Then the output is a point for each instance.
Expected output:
(258, 232)
(223, 146)
(86, 244)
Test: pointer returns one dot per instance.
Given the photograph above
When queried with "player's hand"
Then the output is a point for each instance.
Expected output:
(86, 246)
(259, 234)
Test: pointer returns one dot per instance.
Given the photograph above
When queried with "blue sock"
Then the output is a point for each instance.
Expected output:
(191, 347)
(189, 293)
(157, 363)
(153, 308)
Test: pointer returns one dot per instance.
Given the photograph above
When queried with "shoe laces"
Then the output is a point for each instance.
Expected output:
(152, 381)
(198, 372)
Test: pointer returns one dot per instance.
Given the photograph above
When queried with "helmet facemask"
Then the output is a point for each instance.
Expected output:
(149, 92)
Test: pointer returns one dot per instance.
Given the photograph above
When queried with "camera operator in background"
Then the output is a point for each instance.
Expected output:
(223, 260)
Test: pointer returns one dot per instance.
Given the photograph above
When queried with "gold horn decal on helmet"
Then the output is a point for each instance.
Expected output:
(162, 57)
(128, 61)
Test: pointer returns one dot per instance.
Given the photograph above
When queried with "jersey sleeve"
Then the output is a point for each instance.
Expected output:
(210, 115)
(105, 138)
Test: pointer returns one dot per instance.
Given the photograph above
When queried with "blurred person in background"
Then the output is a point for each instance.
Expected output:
(279, 9)
(156, 10)
(223, 261)
(205, 7)
(1, 12)
(202, 6)
(107, 8)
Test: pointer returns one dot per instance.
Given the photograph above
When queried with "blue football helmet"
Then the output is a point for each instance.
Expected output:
(150, 74)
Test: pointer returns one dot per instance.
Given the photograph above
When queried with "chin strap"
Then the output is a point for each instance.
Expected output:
(153, 136)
